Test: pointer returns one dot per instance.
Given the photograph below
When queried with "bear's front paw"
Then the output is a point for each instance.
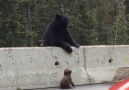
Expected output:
(69, 50)
(77, 46)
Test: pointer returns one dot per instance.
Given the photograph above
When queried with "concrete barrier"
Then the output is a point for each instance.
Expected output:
(36, 67)
(107, 63)
(43, 67)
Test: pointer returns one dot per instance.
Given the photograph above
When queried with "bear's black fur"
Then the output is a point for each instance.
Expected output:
(57, 34)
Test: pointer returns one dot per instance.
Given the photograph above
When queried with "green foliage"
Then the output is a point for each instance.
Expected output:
(95, 21)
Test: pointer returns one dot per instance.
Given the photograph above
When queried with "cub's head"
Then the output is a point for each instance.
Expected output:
(67, 72)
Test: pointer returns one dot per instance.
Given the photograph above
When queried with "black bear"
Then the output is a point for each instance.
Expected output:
(66, 80)
(57, 34)
(39, 43)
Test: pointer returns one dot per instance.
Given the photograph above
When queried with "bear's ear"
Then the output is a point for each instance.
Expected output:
(58, 16)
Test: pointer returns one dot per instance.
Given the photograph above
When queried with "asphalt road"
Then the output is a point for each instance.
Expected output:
(104, 86)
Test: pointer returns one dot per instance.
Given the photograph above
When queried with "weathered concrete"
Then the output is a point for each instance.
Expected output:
(35, 67)
(103, 63)
(42, 67)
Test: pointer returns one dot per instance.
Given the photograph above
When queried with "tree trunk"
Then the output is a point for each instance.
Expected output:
(29, 24)
(116, 36)
(61, 6)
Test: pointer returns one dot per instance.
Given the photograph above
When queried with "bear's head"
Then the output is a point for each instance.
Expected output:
(67, 72)
(63, 21)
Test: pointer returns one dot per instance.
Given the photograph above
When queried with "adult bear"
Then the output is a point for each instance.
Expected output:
(57, 34)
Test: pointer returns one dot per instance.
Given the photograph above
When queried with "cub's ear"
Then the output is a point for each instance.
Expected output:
(58, 16)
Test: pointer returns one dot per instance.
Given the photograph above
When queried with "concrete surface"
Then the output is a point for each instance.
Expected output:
(36, 67)
(107, 61)
(104, 86)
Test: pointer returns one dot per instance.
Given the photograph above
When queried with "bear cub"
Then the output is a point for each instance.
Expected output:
(57, 34)
(66, 80)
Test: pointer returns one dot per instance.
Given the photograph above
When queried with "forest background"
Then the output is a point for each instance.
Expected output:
(95, 22)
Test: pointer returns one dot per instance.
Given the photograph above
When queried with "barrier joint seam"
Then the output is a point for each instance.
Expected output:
(84, 52)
